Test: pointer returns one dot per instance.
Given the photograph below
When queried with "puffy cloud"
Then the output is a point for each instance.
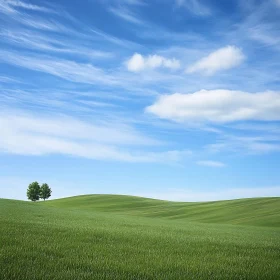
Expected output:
(221, 59)
(136, 63)
(218, 106)
(139, 63)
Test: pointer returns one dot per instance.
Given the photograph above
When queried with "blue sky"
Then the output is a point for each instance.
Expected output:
(170, 99)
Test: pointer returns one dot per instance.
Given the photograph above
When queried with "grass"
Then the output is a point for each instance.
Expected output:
(122, 237)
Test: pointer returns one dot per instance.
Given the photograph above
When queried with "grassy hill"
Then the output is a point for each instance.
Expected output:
(122, 237)
(254, 211)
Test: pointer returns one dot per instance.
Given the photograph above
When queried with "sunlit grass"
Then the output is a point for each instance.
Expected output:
(118, 237)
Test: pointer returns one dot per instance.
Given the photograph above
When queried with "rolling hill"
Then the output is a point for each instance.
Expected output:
(254, 211)
(123, 237)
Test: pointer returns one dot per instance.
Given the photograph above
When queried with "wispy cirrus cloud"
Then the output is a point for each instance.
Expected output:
(97, 105)
(126, 15)
(28, 6)
(260, 27)
(14, 6)
(34, 40)
(66, 69)
(25, 19)
(35, 135)
(6, 79)
(5, 8)
(87, 73)
(115, 40)
(67, 127)
(245, 145)
(266, 34)
(194, 6)
(29, 17)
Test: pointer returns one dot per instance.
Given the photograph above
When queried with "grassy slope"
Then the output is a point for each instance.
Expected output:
(120, 237)
(255, 211)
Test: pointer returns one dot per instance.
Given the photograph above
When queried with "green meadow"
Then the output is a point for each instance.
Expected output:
(124, 237)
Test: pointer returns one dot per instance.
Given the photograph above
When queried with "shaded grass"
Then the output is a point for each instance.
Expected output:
(113, 239)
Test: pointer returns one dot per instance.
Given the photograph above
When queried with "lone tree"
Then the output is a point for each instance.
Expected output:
(33, 191)
(45, 191)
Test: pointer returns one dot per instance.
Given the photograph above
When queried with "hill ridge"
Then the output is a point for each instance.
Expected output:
(165, 200)
(250, 211)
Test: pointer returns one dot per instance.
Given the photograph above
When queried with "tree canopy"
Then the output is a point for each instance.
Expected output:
(45, 191)
(33, 191)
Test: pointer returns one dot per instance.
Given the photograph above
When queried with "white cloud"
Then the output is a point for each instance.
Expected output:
(221, 59)
(27, 20)
(139, 63)
(20, 4)
(65, 127)
(66, 69)
(218, 106)
(136, 63)
(78, 72)
(33, 135)
(211, 163)
(19, 12)
(34, 40)
(13, 8)
(6, 9)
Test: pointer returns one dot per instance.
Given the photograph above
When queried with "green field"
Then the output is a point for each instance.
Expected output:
(123, 237)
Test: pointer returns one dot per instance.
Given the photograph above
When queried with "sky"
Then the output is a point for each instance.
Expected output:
(169, 99)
